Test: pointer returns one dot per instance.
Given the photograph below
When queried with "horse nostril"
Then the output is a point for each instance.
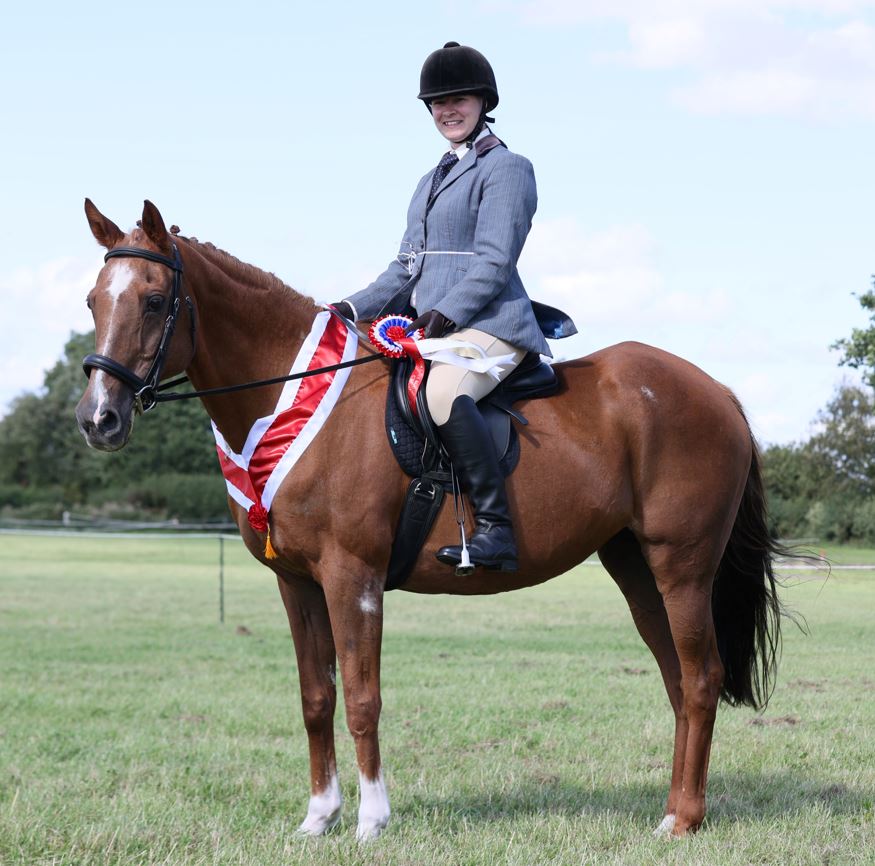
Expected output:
(86, 425)
(109, 422)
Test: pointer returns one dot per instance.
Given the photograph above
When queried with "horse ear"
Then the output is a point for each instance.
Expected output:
(153, 225)
(105, 231)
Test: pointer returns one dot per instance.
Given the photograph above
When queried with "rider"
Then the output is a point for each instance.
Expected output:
(466, 226)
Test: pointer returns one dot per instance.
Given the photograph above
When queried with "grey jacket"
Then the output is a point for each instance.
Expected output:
(485, 207)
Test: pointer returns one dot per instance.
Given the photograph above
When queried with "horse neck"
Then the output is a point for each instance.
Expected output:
(249, 327)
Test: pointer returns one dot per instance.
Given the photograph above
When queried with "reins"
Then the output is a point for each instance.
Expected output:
(147, 390)
(260, 383)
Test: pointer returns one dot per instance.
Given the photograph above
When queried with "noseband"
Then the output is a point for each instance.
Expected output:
(146, 389)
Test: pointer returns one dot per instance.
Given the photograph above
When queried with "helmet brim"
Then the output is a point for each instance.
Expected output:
(490, 98)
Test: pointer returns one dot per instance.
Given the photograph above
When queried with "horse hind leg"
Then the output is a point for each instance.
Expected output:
(623, 559)
(314, 647)
(684, 577)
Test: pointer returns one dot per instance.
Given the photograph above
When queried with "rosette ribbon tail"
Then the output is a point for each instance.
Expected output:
(389, 335)
(446, 350)
(414, 383)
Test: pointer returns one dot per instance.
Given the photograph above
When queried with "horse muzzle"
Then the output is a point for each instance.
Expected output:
(105, 425)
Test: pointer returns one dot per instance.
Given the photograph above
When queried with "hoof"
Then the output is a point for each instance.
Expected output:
(319, 825)
(368, 831)
(323, 812)
(373, 808)
(666, 826)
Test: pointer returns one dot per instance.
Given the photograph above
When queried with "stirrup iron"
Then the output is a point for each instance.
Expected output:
(464, 568)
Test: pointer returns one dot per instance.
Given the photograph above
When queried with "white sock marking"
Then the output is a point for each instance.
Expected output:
(323, 812)
(373, 807)
(666, 826)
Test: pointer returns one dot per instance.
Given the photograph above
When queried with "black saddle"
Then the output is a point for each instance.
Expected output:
(414, 437)
(416, 445)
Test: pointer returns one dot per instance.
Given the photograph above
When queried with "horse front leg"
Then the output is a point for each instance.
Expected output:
(314, 647)
(356, 608)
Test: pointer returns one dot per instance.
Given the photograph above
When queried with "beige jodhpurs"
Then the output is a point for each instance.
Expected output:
(446, 381)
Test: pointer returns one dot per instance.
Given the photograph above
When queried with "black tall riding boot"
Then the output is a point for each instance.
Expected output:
(469, 443)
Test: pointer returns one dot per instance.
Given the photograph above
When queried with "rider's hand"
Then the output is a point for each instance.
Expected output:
(344, 309)
(434, 323)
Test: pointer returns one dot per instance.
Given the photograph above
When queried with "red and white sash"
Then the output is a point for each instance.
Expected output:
(276, 442)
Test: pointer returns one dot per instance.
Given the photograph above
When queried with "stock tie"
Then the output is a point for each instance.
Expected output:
(448, 160)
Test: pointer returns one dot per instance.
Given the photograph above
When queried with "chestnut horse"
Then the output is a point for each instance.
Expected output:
(640, 457)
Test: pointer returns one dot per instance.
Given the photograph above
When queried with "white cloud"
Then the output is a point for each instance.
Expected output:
(44, 304)
(609, 278)
(612, 285)
(811, 58)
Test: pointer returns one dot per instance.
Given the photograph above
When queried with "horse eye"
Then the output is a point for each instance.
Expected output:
(154, 303)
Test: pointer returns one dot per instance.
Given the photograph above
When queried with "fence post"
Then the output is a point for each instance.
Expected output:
(221, 578)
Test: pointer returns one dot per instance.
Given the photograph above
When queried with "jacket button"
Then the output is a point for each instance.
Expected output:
(422, 245)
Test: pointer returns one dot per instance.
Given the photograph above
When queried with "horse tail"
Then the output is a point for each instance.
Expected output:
(745, 605)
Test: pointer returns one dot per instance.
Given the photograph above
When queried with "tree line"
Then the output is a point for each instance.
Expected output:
(823, 487)
(168, 469)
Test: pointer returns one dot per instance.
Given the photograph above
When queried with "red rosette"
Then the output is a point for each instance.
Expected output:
(389, 335)
(258, 517)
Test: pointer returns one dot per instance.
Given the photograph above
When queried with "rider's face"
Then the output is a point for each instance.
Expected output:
(456, 116)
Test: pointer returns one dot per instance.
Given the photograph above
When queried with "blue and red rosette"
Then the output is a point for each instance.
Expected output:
(389, 335)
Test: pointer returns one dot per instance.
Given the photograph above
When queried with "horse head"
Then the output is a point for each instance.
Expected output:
(132, 302)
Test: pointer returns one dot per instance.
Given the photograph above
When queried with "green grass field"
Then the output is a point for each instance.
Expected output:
(530, 728)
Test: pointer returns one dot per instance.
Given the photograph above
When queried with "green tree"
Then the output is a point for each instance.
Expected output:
(826, 486)
(846, 441)
(42, 451)
(858, 350)
(794, 477)
(40, 446)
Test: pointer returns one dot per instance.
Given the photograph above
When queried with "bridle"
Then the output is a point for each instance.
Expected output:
(146, 389)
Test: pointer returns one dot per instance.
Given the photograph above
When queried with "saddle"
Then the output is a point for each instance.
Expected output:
(416, 445)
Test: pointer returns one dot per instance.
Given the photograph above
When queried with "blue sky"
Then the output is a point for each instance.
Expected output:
(705, 169)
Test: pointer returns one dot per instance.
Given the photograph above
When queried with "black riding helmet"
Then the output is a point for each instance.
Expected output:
(458, 69)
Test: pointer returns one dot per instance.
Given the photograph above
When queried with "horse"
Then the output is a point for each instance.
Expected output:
(640, 457)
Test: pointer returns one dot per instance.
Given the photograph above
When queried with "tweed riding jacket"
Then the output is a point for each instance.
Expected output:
(484, 207)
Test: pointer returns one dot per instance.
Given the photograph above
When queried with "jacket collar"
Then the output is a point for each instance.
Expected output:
(482, 146)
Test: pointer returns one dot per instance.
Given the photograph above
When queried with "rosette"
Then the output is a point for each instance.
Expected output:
(388, 335)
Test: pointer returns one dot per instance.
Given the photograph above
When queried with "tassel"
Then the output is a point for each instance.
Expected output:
(269, 551)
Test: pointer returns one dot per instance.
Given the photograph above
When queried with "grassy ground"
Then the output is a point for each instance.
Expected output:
(525, 729)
